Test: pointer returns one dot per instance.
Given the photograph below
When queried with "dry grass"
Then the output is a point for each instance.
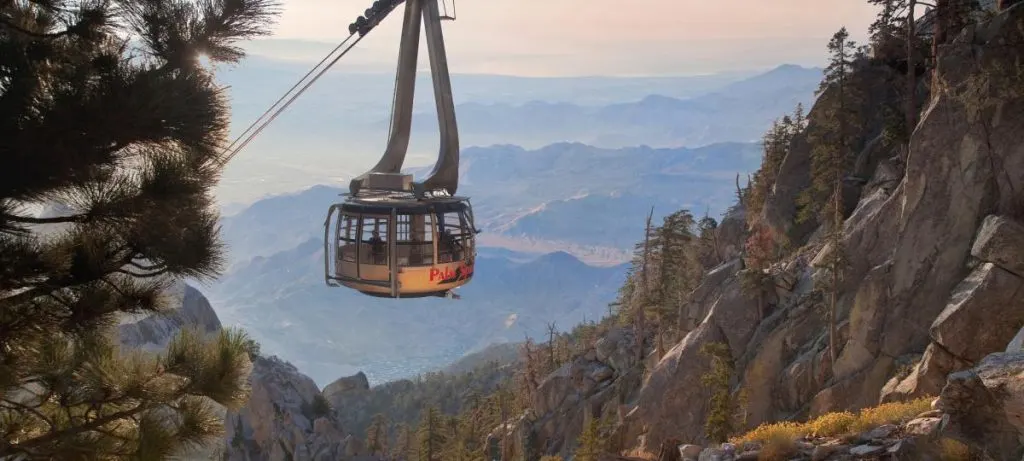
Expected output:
(837, 424)
(778, 450)
(953, 450)
(640, 454)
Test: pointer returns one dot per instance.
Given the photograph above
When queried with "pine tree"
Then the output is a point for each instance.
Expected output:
(719, 424)
(552, 331)
(775, 144)
(680, 269)
(107, 112)
(710, 253)
(431, 435)
(377, 435)
(831, 154)
(590, 443)
(910, 79)
(888, 22)
(405, 448)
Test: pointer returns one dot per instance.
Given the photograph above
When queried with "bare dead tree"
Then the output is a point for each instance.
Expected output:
(551, 345)
(911, 89)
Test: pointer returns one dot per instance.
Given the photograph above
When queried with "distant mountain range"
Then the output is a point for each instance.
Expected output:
(735, 112)
(546, 198)
(330, 332)
(338, 129)
(567, 192)
(565, 195)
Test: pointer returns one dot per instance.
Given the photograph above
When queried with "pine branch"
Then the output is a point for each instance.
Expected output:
(81, 218)
(10, 404)
(24, 31)
(29, 444)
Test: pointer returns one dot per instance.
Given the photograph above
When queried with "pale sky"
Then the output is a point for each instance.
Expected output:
(587, 37)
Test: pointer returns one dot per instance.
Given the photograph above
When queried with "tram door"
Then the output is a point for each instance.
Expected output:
(375, 236)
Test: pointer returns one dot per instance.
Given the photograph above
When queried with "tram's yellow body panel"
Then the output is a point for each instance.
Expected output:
(412, 281)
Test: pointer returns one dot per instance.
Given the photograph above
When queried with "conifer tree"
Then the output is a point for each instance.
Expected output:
(680, 269)
(710, 253)
(590, 444)
(377, 435)
(552, 330)
(910, 79)
(431, 435)
(405, 446)
(719, 424)
(831, 155)
(107, 112)
(888, 22)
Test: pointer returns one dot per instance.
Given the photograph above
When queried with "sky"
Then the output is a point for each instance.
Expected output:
(584, 37)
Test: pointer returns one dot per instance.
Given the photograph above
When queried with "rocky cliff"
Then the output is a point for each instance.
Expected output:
(934, 238)
(154, 332)
(286, 417)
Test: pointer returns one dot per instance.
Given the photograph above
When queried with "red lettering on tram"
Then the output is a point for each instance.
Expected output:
(450, 274)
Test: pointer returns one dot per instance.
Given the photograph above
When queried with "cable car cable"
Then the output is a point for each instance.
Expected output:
(290, 101)
(304, 77)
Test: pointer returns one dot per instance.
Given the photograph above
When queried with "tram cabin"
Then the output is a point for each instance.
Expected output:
(400, 247)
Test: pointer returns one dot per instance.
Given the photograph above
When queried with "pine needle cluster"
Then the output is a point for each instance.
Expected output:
(111, 122)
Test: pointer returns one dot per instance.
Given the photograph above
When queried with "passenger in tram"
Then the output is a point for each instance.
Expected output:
(449, 245)
(376, 247)
(415, 250)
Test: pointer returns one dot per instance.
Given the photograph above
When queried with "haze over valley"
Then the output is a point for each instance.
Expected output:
(561, 171)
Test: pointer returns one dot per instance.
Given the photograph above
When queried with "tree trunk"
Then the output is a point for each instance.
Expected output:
(669, 451)
(661, 344)
(911, 89)
(639, 322)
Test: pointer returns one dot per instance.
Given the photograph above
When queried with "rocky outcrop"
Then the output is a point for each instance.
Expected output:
(286, 418)
(986, 406)
(347, 384)
(672, 401)
(932, 261)
(964, 332)
(190, 309)
(877, 84)
(593, 384)
(964, 163)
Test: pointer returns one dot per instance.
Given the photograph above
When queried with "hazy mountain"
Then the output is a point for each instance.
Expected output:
(738, 112)
(329, 332)
(567, 192)
(339, 127)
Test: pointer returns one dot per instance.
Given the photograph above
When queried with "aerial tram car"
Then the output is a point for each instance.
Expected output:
(392, 236)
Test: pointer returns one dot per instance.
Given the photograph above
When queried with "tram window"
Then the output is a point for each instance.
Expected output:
(415, 234)
(347, 237)
(451, 241)
(374, 247)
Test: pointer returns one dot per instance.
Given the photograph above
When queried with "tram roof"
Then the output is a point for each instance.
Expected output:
(402, 203)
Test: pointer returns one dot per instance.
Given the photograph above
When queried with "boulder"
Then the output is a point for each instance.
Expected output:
(617, 348)
(346, 385)
(985, 405)
(927, 377)
(984, 313)
(854, 392)
(690, 452)
(867, 322)
(1001, 241)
